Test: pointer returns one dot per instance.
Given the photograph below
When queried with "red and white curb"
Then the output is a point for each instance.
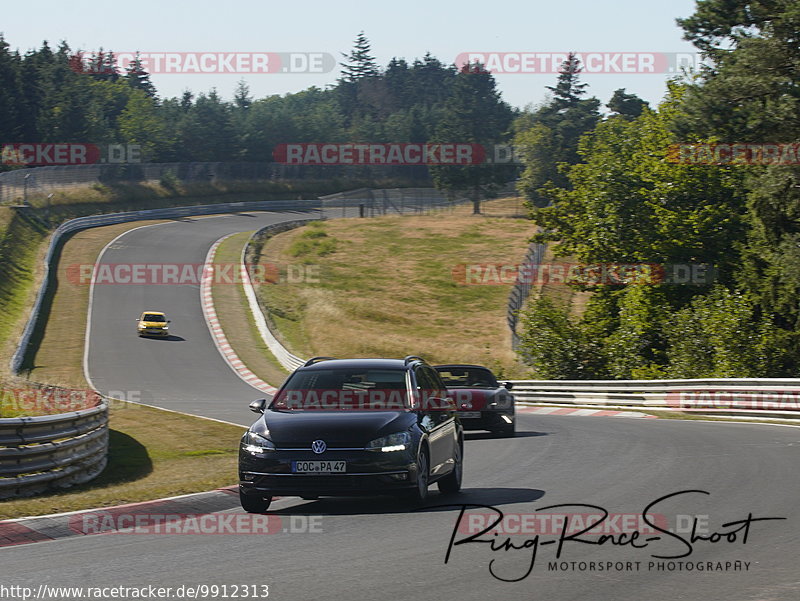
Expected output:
(37, 529)
(215, 328)
(581, 412)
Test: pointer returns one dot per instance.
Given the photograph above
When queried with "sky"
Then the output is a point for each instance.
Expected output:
(203, 44)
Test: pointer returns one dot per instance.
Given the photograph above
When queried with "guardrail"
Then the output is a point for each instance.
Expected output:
(282, 354)
(751, 396)
(82, 223)
(52, 451)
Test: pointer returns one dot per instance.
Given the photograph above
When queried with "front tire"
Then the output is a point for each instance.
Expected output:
(254, 503)
(419, 493)
(451, 483)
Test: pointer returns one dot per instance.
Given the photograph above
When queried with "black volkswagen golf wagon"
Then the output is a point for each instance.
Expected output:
(353, 427)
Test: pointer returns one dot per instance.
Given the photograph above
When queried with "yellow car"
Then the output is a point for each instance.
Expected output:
(152, 323)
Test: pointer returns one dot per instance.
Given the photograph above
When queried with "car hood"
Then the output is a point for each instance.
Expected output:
(299, 429)
(152, 324)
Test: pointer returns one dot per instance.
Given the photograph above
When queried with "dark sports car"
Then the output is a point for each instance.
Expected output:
(350, 427)
(483, 402)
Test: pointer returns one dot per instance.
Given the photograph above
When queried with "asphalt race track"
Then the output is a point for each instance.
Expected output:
(184, 372)
(371, 549)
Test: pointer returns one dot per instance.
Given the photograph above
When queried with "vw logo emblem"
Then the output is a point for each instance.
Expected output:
(318, 446)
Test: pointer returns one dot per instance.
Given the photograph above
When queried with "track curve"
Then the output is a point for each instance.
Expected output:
(374, 548)
(184, 372)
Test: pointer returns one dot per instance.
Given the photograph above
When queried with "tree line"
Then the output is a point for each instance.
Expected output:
(617, 195)
(56, 96)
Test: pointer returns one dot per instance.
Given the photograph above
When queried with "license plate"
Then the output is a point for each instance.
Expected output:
(319, 467)
(469, 414)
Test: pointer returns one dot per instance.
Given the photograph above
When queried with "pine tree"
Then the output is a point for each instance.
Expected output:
(552, 139)
(241, 97)
(9, 94)
(359, 63)
(473, 114)
(138, 78)
(567, 90)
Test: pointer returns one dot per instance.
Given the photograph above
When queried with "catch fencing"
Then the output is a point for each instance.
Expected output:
(20, 186)
(522, 289)
(371, 202)
(38, 454)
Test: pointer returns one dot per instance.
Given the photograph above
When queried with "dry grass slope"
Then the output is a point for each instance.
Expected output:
(386, 287)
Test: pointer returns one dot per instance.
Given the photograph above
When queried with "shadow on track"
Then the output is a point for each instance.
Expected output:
(468, 435)
(379, 505)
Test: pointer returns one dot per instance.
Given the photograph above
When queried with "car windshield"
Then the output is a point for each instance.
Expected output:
(154, 317)
(343, 390)
(467, 377)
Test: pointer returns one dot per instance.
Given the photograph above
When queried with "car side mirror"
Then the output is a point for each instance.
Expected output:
(508, 385)
(169, 321)
(258, 406)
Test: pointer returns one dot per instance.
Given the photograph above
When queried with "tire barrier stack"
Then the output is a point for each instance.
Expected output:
(38, 454)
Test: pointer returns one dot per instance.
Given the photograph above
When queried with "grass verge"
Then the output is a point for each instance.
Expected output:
(389, 287)
(21, 251)
(147, 461)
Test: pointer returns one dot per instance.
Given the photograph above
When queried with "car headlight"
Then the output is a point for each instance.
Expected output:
(398, 441)
(256, 444)
(502, 401)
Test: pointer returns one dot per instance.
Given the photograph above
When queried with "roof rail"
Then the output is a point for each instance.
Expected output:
(314, 360)
(411, 358)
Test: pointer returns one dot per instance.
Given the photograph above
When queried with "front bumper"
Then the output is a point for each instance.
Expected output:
(368, 473)
(157, 332)
(488, 420)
